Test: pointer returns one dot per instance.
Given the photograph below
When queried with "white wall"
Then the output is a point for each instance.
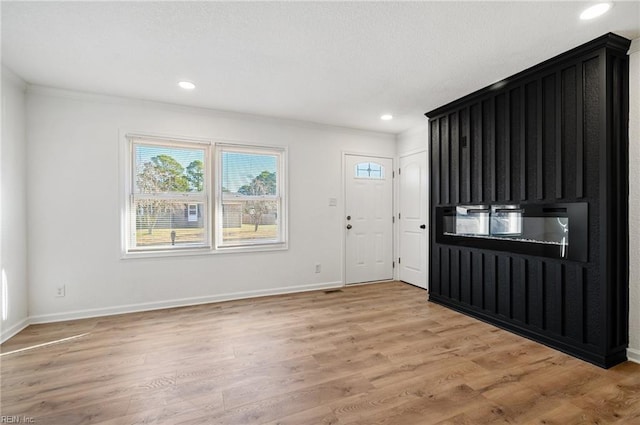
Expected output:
(414, 139)
(633, 351)
(74, 199)
(13, 249)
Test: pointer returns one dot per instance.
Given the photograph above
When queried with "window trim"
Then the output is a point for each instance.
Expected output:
(185, 197)
(281, 195)
(212, 190)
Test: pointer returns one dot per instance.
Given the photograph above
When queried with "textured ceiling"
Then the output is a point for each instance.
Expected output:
(339, 63)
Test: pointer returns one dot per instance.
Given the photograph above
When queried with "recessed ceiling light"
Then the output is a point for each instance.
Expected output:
(187, 85)
(595, 11)
(386, 117)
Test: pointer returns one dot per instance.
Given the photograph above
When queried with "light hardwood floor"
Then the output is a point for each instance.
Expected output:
(371, 354)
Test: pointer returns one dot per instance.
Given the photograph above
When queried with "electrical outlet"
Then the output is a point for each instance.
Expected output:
(60, 291)
(318, 268)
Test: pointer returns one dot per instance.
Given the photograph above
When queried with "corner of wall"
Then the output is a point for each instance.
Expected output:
(13, 251)
(633, 352)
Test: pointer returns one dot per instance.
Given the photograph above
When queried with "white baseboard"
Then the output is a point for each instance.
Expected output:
(13, 330)
(633, 355)
(182, 302)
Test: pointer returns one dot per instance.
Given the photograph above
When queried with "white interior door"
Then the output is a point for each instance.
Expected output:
(368, 219)
(412, 219)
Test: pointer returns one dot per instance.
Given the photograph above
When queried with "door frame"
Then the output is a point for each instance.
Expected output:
(343, 212)
(428, 215)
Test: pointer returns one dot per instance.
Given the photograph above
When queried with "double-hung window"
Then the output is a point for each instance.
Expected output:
(168, 195)
(170, 207)
(251, 210)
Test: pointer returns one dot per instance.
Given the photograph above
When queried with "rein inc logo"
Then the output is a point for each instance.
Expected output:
(17, 419)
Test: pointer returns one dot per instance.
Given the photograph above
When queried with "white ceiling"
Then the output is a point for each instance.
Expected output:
(338, 63)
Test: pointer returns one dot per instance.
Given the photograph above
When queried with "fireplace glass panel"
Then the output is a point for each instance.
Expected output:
(534, 229)
(472, 220)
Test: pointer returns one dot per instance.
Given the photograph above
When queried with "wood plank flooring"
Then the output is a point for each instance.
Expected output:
(371, 354)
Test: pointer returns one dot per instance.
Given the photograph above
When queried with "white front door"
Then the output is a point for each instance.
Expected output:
(412, 219)
(368, 219)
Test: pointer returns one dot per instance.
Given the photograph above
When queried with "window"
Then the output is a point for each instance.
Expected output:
(168, 195)
(251, 208)
(169, 206)
(369, 170)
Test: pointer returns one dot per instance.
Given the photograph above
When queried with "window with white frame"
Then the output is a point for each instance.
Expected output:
(169, 207)
(168, 200)
(251, 207)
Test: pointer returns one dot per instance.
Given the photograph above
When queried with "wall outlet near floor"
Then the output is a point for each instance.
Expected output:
(61, 291)
(318, 268)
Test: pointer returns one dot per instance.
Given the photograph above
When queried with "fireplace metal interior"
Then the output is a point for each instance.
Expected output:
(556, 230)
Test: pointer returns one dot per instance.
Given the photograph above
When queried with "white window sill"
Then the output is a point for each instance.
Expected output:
(190, 252)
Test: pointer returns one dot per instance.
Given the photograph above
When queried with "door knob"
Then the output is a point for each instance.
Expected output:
(423, 226)
(349, 226)
(348, 217)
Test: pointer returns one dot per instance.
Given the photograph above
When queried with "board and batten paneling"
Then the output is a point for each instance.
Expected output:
(555, 133)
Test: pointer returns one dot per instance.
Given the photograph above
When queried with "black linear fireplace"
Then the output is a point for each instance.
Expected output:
(549, 230)
(528, 198)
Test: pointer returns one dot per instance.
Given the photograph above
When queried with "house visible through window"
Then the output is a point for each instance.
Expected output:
(251, 201)
(169, 195)
(169, 204)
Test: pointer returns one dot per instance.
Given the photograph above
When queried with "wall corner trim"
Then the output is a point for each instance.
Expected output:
(633, 355)
(635, 46)
(14, 330)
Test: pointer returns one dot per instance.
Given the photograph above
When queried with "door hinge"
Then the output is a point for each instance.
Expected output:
(399, 216)
(393, 264)
(393, 174)
(398, 260)
(398, 171)
(393, 219)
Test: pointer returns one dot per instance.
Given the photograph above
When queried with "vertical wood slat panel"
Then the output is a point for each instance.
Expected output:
(455, 274)
(445, 273)
(507, 146)
(434, 282)
(468, 169)
(582, 281)
(539, 144)
(494, 151)
(532, 141)
(569, 141)
(523, 143)
(559, 123)
(488, 150)
(476, 145)
(573, 304)
(539, 306)
(499, 145)
(524, 282)
(550, 125)
(552, 285)
(435, 161)
(454, 184)
(504, 289)
(513, 132)
(465, 276)
(591, 128)
(490, 283)
(477, 286)
(579, 132)
(445, 168)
